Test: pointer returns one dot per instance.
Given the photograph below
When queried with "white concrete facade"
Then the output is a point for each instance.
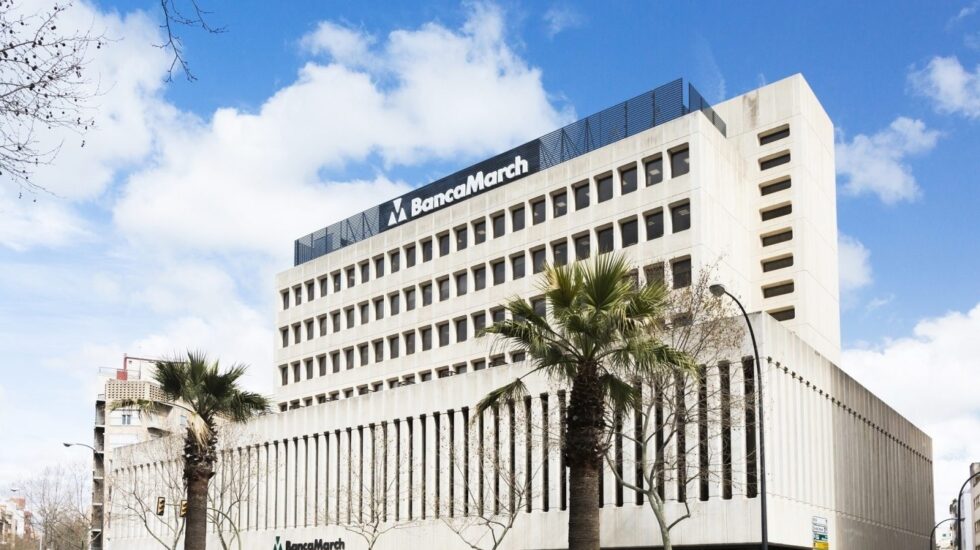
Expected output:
(364, 380)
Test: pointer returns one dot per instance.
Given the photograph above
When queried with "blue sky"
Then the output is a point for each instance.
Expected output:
(168, 228)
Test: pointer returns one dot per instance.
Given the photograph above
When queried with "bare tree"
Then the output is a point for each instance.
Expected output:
(142, 475)
(231, 488)
(183, 14)
(59, 502)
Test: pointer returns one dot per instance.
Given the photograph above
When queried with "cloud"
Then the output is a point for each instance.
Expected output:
(27, 222)
(923, 377)
(342, 44)
(561, 18)
(854, 262)
(965, 11)
(876, 164)
(952, 88)
(710, 80)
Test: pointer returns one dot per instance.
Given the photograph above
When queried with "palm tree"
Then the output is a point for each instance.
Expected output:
(210, 395)
(597, 339)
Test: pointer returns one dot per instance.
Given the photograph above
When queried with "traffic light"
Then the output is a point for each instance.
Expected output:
(161, 505)
(183, 508)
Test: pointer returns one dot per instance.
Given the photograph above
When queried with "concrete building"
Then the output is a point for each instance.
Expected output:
(15, 522)
(378, 367)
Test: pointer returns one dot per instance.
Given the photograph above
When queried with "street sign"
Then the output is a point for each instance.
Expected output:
(821, 533)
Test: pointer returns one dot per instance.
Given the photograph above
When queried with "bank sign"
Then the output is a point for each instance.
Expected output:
(318, 544)
(489, 174)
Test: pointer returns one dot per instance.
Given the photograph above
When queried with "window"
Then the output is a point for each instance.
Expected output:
(604, 188)
(680, 217)
(410, 256)
(426, 376)
(349, 313)
(394, 258)
(321, 362)
(443, 244)
(335, 361)
(681, 271)
(296, 373)
(654, 273)
(335, 321)
(498, 315)
(323, 324)
(426, 339)
(777, 212)
(296, 333)
(461, 330)
(775, 186)
(443, 289)
(309, 368)
(498, 225)
(461, 283)
(479, 231)
(283, 375)
(538, 260)
(393, 347)
(777, 134)
(540, 309)
(582, 247)
(394, 304)
(298, 294)
(517, 218)
(479, 322)
(426, 250)
(409, 299)
(778, 290)
(479, 278)
(365, 313)
(680, 162)
(409, 342)
(628, 233)
(582, 196)
(309, 329)
(518, 357)
(655, 225)
(324, 284)
(537, 212)
(559, 204)
(443, 334)
(784, 314)
(654, 169)
(285, 299)
(351, 279)
(773, 162)
(499, 274)
(605, 239)
(349, 358)
(497, 361)
(365, 272)
(517, 266)
(379, 350)
(309, 291)
(777, 263)
(426, 294)
(559, 250)
(336, 282)
(379, 308)
(461, 238)
(627, 181)
(362, 351)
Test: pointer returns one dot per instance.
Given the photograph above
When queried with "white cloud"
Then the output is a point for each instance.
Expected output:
(27, 221)
(854, 262)
(965, 11)
(876, 164)
(344, 45)
(952, 88)
(931, 378)
(561, 18)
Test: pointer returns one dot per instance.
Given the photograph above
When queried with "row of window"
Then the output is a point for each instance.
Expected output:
(481, 275)
(459, 238)
(768, 162)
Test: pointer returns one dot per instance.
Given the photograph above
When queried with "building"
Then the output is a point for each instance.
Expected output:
(971, 511)
(15, 521)
(378, 367)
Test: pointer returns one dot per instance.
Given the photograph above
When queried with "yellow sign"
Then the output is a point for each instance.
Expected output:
(821, 545)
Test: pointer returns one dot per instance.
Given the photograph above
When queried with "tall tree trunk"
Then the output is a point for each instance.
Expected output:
(196, 531)
(583, 455)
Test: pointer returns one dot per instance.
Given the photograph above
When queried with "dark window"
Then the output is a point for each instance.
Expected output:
(778, 263)
(497, 361)
(285, 299)
(777, 238)
(461, 239)
(443, 245)
(627, 181)
(336, 282)
(426, 250)
(517, 265)
(335, 361)
(350, 277)
(322, 364)
(559, 204)
(628, 232)
(680, 217)
(778, 290)
(560, 251)
(309, 291)
(309, 329)
(784, 314)
(655, 171)
(499, 272)
(323, 325)
(460, 283)
(777, 212)
(409, 343)
(394, 258)
(298, 293)
(498, 315)
(517, 357)
(776, 186)
(604, 188)
(582, 196)
(296, 374)
(426, 294)
(379, 266)
(426, 339)
(682, 273)
(537, 212)
(655, 225)
(480, 231)
(774, 162)
(517, 218)
(581, 247)
(680, 162)
(479, 364)
(538, 259)
(443, 289)
(605, 239)
(409, 256)
(379, 351)
(365, 313)
(349, 358)
(335, 320)
(498, 225)
(296, 334)
(461, 330)
(379, 309)
(284, 375)
(479, 322)
(365, 272)
(394, 304)
(443, 334)
(393, 347)
(654, 273)
(409, 299)
(324, 285)
(362, 350)
(479, 278)
(538, 304)
(773, 135)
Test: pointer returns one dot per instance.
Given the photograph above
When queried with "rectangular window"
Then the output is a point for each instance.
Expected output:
(517, 266)
(410, 256)
(444, 245)
(296, 333)
(443, 289)
(462, 239)
(680, 162)
(336, 282)
(460, 283)
(627, 181)
(479, 322)
(605, 240)
(604, 188)
(349, 358)
(335, 361)
(443, 334)
(409, 299)
(776, 186)
(321, 363)
(559, 204)
(362, 351)
(394, 304)
(309, 291)
(284, 375)
(426, 294)
(365, 272)
(309, 329)
(654, 273)
(778, 263)
(349, 313)
(784, 314)
(655, 225)
(777, 212)
(324, 285)
(393, 347)
(379, 267)
(479, 231)
(778, 290)
(499, 272)
(351, 278)
(379, 350)
(680, 217)
(335, 321)
(517, 218)
(498, 225)
(681, 271)
(537, 212)
(426, 339)
(582, 196)
(409, 342)
(628, 233)
(775, 161)
(323, 324)
(538, 260)
(582, 247)
(560, 252)
(365, 313)
(461, 330)
(539, 306)
(298, 294)
(426, 250)
(777, 238)
(479, 278)
(296, 375)
(777, 134)
(654, 169)
(498, 315)
(394, 258)
(379, 308)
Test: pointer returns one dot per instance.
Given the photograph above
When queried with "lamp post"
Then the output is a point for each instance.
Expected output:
(80, 445)
(959, 511)
(719, 290)
(932, 534)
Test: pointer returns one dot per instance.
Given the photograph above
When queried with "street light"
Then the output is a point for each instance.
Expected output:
(959, 513)
(80, 445)
(718, 291)
(932, 534)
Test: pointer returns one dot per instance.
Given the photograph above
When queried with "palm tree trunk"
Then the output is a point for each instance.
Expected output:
(583, 508)
(196, 533)
(583, 455)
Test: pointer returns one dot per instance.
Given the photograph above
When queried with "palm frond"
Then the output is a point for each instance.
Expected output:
(620, 394)
(512, 391)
